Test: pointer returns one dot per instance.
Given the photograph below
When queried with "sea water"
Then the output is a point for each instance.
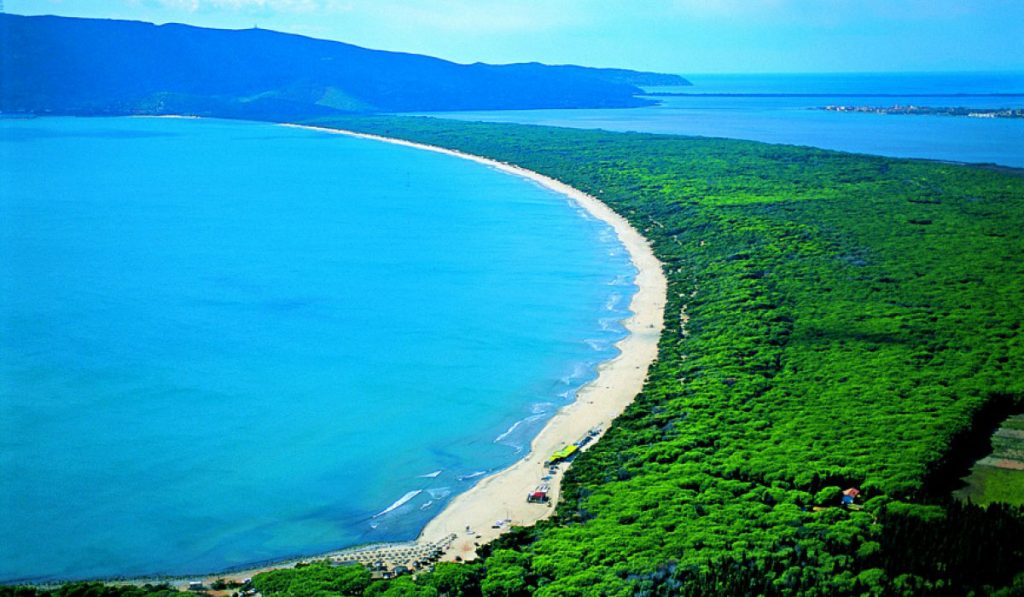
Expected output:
(226, 343)
(785, 109)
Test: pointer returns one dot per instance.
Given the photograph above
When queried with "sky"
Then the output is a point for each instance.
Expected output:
(674, 36)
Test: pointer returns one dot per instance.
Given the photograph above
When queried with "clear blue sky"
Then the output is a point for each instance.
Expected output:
(678, 36)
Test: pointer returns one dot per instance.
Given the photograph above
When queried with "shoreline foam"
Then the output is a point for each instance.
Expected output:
(502, 495)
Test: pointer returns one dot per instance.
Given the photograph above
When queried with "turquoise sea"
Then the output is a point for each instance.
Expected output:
(782, 109)
(225, 343)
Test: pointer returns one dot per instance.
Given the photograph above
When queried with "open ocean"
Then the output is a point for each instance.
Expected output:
(225, 342)
(780, 109)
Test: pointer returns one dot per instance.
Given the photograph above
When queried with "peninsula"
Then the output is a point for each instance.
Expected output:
(803, 286)
(830, 365)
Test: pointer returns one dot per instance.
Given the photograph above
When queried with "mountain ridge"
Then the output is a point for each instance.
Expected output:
(66, 65)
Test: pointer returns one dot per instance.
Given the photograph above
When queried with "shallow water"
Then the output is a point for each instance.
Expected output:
(225, 343)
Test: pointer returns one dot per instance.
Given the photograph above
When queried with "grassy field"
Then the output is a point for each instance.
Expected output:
(999, 477)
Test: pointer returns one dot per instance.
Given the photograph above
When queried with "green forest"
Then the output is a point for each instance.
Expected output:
(834, 321)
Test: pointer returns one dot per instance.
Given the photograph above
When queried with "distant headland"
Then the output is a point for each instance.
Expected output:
(73, 66)
(931, 111)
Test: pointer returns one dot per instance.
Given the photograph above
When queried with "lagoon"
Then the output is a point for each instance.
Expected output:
(781, 109)
(227, 343)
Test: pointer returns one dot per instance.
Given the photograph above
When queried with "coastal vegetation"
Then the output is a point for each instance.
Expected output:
(834, 321)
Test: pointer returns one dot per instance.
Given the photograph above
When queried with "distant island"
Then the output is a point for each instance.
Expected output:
(72, 66)
(930, 111)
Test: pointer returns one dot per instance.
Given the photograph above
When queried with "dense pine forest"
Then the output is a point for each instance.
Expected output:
(835, 321)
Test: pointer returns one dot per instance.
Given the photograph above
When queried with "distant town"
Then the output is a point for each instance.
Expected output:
(932, 111)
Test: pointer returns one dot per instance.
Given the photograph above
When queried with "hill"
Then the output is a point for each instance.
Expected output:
(62, 65)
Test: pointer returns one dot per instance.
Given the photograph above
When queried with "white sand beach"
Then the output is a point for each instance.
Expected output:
(502, 496)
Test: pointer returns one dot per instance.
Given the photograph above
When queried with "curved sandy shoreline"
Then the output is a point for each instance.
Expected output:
(502, 496)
